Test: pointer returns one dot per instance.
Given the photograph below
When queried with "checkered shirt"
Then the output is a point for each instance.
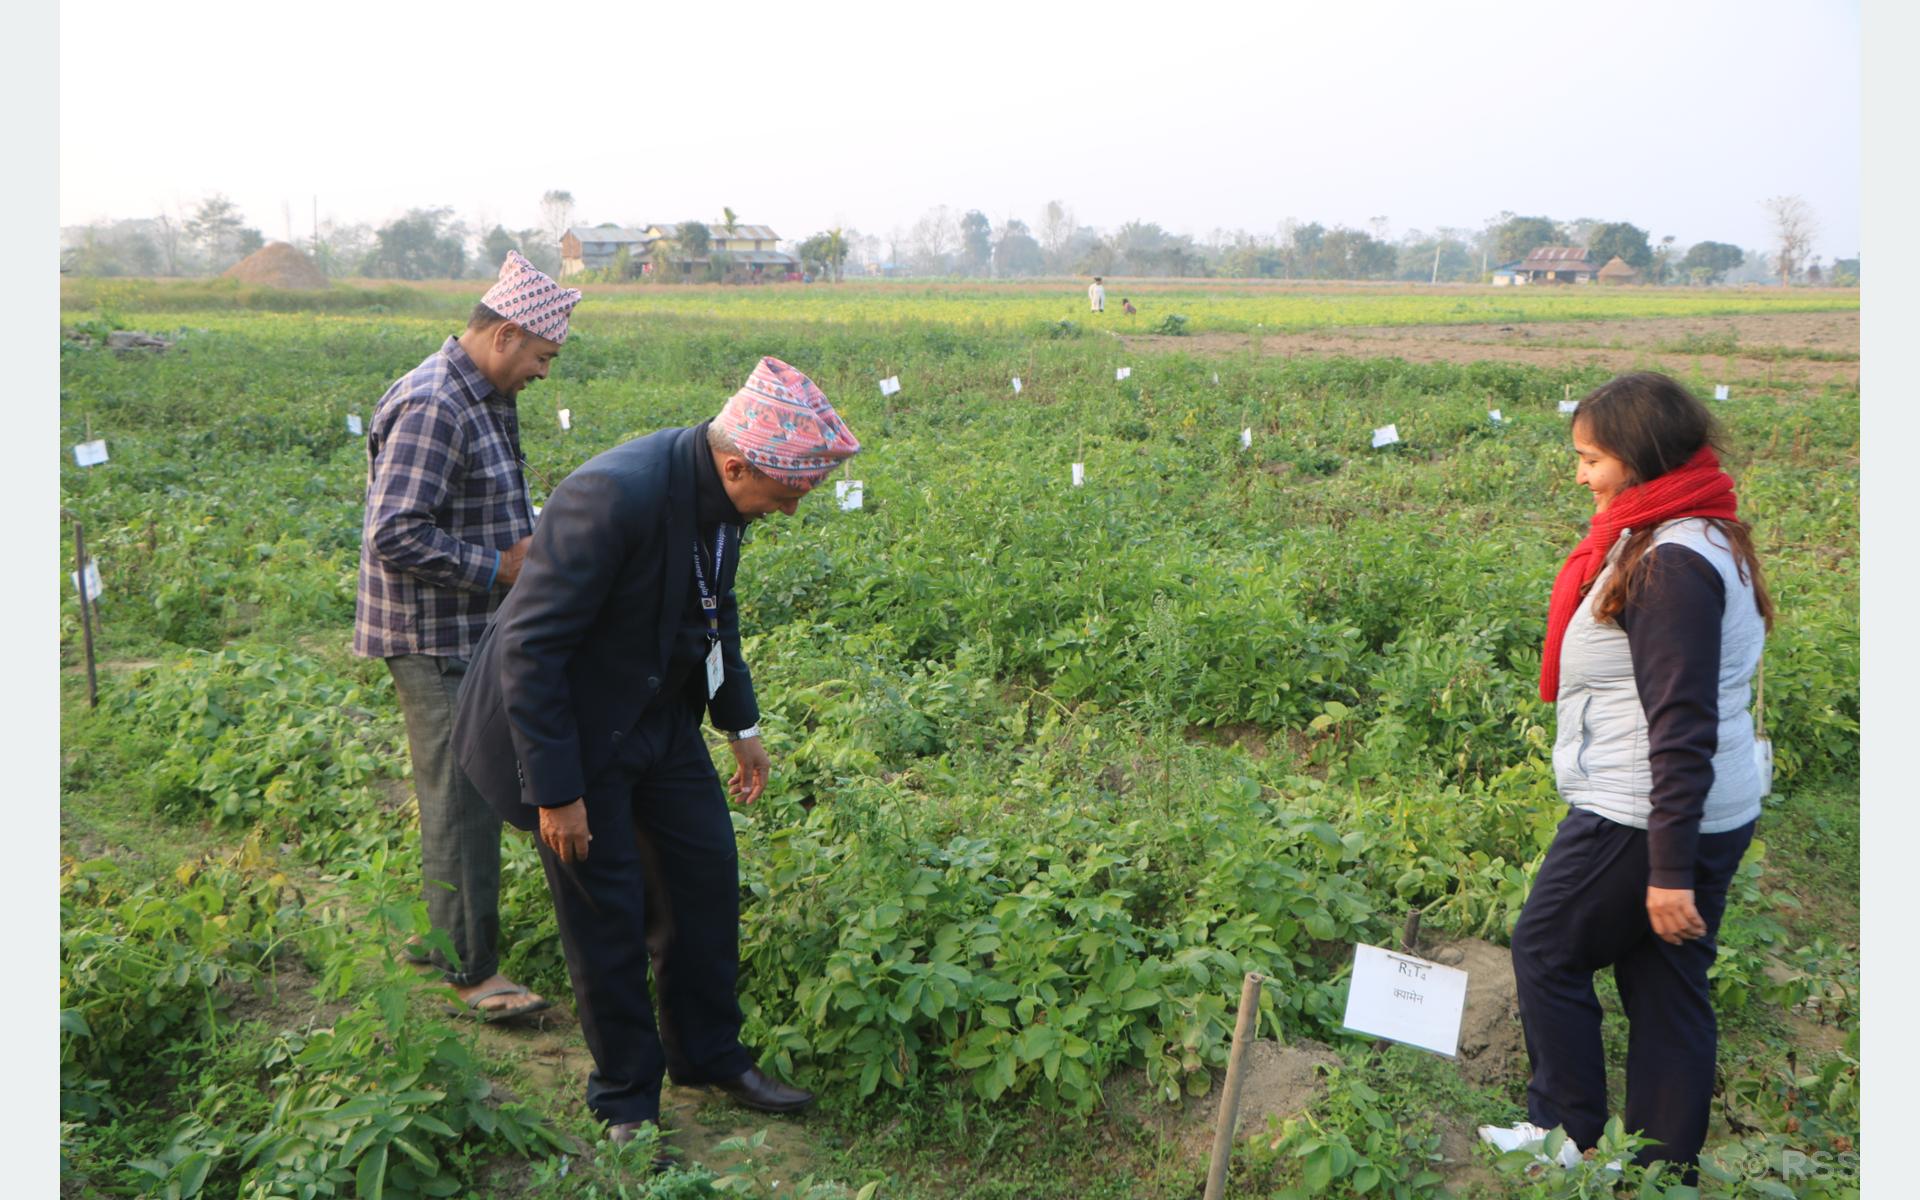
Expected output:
(444, 496)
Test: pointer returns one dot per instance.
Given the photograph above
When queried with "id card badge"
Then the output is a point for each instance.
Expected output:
(716, 673)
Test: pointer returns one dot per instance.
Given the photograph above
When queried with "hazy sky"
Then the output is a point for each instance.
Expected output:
(1680, 117)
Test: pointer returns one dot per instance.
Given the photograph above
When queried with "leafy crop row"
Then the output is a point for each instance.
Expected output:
(1054, 765)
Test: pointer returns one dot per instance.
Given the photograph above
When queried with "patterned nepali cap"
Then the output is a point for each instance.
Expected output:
(785, 427)
(530, 298)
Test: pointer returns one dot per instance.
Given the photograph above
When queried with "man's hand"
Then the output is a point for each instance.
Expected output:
(563, 828)
(751, 779)
(510, 560)
(1673, 915)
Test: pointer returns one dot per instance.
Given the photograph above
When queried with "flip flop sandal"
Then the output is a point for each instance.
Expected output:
(491, 1016)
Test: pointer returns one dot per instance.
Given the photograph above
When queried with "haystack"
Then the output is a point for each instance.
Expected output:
(277, 265)
(1617, 271)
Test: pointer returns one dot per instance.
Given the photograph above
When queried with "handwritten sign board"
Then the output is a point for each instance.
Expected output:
(1120, 373)
(355, 426)
(1386, 435)
(1079, 474)
(566, 418)
(889, 385)
(1722, 392)
(850, 493)
(92, 577)
(1016, 385)
(1406, 999)
(91, 454)
(1568, 406)
(1246, 438)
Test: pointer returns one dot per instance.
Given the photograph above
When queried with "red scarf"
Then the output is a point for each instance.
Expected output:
(1698, 489)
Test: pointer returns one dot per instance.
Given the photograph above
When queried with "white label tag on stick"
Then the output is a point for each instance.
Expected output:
(1568, 406)
(354, 426)
(92, 576)
(1120, 373)
(566, 418)
(889, 385)
(1246, 438)
(1079, 474)
(1493, 414)
(1386, 435)
(716, 671)
(1016, 385)
(850, 493)
(91, 454)
(1216, 377)
(1406, 999)
(1722, 392)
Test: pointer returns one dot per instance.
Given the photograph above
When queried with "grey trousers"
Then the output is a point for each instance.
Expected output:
(459, 832)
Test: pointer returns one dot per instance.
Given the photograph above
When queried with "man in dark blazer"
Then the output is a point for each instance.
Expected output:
(580, 719)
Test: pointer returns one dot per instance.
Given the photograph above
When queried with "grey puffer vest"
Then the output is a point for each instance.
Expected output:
(1600, 745)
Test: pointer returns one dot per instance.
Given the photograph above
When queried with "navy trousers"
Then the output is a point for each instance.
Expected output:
(1588, 910)
(660, 890)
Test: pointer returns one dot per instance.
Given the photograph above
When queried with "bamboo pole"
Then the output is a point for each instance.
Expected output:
(86, 612)
(1243, 1031)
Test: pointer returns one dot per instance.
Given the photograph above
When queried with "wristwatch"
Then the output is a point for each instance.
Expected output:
(751, 731)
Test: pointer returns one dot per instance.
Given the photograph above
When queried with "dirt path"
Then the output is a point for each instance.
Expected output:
(553, 1060)
(1754, 347)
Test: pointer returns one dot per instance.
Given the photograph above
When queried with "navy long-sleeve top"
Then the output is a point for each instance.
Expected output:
(1673, 633)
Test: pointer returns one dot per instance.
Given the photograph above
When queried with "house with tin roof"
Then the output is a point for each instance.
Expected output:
(597, 247)
(1556, 264)
(754, 249)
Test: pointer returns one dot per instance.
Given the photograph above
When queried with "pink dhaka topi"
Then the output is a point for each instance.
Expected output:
(785, 427)
(530, 298)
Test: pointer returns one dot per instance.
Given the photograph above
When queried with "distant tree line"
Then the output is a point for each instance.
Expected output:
(971, 245)
(423, 243)
(431, 243)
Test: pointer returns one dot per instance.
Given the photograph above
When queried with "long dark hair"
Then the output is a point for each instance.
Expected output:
(1653, 425)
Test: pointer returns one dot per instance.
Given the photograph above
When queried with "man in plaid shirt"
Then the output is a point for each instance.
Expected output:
(448, 522)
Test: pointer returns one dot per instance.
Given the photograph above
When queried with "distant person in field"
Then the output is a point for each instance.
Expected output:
(1126, 306)
(1097, 295)
(582, 715)
(448, 522)
(1654, 632)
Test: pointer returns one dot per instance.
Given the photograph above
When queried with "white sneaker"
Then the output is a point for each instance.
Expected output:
(1528, 1136)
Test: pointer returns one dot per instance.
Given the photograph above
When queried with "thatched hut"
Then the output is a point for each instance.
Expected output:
(277, 265)
(1617, 271)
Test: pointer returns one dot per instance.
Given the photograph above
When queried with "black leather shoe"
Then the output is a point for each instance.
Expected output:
(761, 1093)
(626, 1131)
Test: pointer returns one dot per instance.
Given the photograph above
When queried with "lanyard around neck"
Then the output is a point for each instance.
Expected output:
(709, 601)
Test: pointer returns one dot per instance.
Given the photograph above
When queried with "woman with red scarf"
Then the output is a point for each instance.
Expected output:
(1654, 632)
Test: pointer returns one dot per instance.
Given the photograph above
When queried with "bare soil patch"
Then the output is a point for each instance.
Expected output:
(1280, 1082)
(103, 666)
(1491, 1046)
(1751, 347)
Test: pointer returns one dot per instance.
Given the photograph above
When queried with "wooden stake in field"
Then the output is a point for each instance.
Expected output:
(1243, 1031)
(1409, 945)
(86, 611)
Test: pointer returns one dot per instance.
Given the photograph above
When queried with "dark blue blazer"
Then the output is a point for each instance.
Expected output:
(579, 649)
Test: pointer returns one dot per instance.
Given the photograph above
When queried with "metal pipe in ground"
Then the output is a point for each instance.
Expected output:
(1243, 1033)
